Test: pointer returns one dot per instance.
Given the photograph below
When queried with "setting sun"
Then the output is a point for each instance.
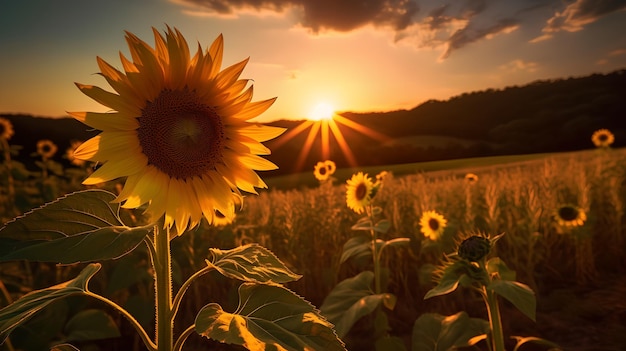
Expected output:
(322, 111)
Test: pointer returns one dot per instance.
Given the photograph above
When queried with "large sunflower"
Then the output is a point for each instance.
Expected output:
(432, 224)
(359, 192)
(178, 132)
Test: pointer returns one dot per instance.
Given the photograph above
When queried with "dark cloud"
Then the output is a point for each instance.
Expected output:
(446, 25)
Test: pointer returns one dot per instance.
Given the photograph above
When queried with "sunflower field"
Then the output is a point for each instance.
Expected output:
(562, 218)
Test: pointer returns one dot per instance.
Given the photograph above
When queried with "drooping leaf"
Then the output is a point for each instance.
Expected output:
(520, 295)
(396, 242)
(363, 224)
(91, 324)
(269, 317)
(24, 308)
(448, 281)
(76, 213)
(251, 263)
(101, 244)
(352, 299)
(435, 332)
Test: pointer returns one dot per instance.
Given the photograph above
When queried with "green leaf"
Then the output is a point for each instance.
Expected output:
(435, 332)
(100, 244)
(64, 347)
(352, 299)
(522, 340)
(496, 266)
(91, 324)
(269, 317)
(73, 214)
(357, 247)
(363, 224)
(382, 226)
(24, 308)
(449, 281)
(251, 263)
(520, 295)
(80, 227)
(397, 242)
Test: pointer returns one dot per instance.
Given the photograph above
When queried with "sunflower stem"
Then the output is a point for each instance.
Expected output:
(493, 310)
(375, 254)
(163, 290)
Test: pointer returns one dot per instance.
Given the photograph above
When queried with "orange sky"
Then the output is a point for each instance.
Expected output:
(384, 55)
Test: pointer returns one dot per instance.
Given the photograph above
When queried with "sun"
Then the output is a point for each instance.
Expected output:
(322, 111)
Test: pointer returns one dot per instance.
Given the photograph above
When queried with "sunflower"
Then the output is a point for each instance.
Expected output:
(179, 130)
(6, 129)
(471, 178)
(331, 167)
(320, 171)
(432, 224)
(602, 138)
(69, 153)
(359, 192)
(46, 148)
(569, 216)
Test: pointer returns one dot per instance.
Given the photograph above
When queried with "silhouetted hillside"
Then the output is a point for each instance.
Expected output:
(543, 116)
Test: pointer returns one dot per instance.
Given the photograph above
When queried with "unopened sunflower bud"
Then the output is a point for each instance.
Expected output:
(474, 248)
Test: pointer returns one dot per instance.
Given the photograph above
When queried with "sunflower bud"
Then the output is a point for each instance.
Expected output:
(474, 248)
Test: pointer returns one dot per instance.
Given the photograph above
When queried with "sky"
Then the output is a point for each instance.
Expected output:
(354, 55)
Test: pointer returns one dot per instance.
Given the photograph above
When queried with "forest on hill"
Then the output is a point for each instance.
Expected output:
(543, 116)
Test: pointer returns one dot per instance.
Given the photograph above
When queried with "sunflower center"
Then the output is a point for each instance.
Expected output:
(323, 171)
(568, 213)
(180, 135)
(360, 191)
(433, 224)
(603, 137)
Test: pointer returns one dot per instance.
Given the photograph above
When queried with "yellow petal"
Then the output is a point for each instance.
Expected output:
(254, 109)
(111, 100)
(262, 133)
(118, 169)
(106, 121)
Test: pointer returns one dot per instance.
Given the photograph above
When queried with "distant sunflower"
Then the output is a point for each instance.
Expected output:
(46, 148)
(331, 167)
(568, 216)
(471, 178)
(432, 224)
(320, 171)
(602, 138)
(6, 129)
(69, 153)
(359, 192)
(179, 130)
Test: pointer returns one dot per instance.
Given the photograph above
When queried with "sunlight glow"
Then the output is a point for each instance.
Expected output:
(322, 111)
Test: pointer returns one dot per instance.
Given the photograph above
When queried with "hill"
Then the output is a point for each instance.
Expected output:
(543, 116)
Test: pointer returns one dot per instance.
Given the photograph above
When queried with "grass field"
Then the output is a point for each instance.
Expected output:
(577, 272)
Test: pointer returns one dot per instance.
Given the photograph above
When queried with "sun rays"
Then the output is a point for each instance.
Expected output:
(329, 128)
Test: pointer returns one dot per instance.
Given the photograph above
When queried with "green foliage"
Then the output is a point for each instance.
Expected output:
(79, 227)
(520, 295)
(352, 299)
(269, 317)
(91, 324)
(251, 263)
(21, 310)
(435, 332)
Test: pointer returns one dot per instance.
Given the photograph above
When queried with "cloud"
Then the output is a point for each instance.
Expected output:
(580, 13)
(520, 65)
(446, 25)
